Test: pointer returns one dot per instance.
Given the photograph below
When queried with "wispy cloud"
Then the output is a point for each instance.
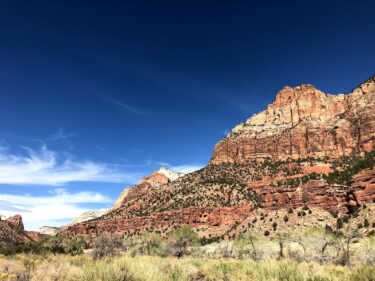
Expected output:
(56, 209)
(127, 107)
(61, 134)
(45, 167)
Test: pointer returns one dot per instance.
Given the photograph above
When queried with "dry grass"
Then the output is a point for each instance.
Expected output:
(147, 268)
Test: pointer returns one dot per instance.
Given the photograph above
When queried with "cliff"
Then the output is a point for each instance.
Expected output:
(304, 122)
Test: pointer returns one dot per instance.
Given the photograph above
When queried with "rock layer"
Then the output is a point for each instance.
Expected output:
(305, 122)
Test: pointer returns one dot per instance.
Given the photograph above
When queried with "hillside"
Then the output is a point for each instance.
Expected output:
(307, 149)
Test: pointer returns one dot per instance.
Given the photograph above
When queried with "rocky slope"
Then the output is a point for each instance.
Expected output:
(12, 230)
(307, 149)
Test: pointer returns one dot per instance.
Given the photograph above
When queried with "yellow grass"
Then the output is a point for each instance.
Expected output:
(147, 268)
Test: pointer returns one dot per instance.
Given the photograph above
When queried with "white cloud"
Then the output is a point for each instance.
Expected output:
(45, 167)
(57, 209)
(186, 168)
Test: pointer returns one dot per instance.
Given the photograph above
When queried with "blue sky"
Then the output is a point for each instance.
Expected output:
(96, 94)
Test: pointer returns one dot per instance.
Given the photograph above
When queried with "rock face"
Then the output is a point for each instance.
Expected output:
(90, 215)
(288, 156)
(48, 230)
(12, 230)
(16, 223)
(305, 122)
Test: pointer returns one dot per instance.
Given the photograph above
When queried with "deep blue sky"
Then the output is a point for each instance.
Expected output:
(128, 85)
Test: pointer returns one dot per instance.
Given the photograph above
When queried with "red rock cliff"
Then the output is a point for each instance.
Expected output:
(303, 122)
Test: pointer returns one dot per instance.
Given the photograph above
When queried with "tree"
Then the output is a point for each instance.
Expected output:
(151, 244)
(181, 240)
(245, 246)
(344, 240)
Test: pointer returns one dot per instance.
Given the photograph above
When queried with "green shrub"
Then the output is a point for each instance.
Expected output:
(339, 223)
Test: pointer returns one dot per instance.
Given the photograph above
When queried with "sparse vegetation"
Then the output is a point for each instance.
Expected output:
(147, 268)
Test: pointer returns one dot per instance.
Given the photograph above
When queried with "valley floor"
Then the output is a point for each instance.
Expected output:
(148, 268)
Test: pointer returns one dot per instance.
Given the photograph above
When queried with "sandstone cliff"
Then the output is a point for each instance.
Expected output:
(305, 122)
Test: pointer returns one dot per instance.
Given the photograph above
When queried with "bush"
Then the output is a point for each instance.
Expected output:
(181, 240)
(151, 244)
(106, 245)
(345, 219)
(286, 219)
(366, 223)
(266, 233)
(63, 245)
(274, 226)
(339, 223)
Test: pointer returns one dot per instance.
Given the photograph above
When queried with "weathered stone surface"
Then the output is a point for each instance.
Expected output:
(48, 230)
(214, 221)
(364, 185)
(305, 122)
(12, 230)
(90, 215)
(16, 223)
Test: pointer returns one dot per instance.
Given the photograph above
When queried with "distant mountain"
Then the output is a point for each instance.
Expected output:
(161, 177)
(307, 149)
(89, 215)
(48, 230)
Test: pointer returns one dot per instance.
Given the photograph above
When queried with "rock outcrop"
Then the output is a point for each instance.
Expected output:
(48, 230)
(304, 122)
(12, 230)
(90, 215)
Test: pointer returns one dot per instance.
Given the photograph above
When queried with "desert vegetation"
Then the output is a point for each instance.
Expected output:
(312, 255)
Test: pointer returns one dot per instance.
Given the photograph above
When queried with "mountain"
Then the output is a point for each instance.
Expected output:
(304, 122)
(48, 230)
(161, 177)
(12, 230)
(307, 151)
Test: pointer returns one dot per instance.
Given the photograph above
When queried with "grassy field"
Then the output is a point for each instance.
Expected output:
(122, 268)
